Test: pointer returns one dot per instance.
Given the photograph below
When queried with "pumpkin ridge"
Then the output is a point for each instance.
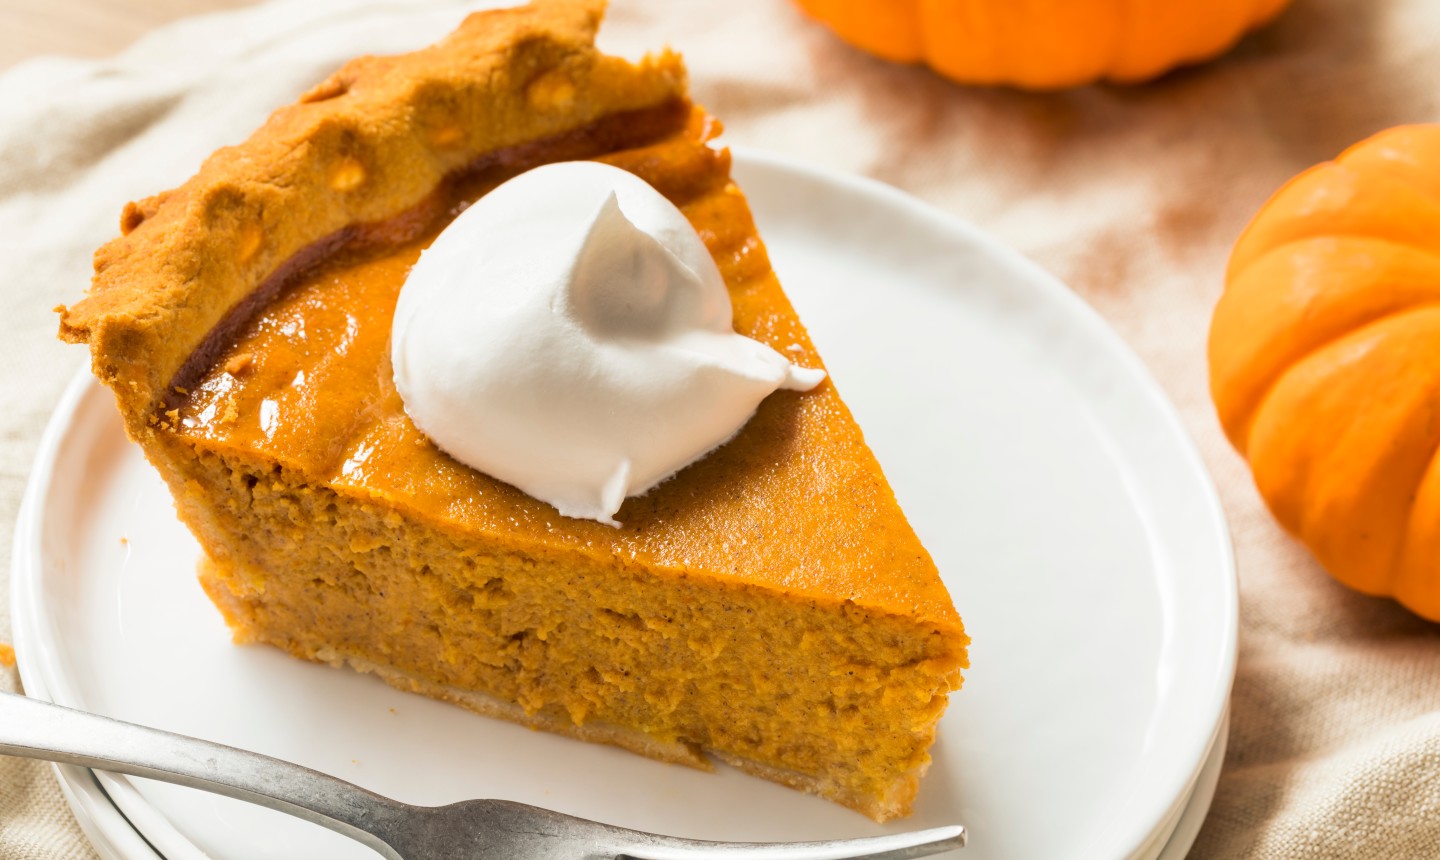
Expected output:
(1230, 373)
(1349, 234)
(1408, 148)
(1359, 322)
(1375, 171)
(1280, 221)
(1395, 575)
(1303, 493)
(1290, 243)
(1355, 331)
(1356, 324)
(1241, 256)
(1398, 582)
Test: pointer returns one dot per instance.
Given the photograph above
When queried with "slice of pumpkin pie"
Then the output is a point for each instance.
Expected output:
(767, 605)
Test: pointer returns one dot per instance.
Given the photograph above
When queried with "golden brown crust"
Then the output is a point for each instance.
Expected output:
(371, 141)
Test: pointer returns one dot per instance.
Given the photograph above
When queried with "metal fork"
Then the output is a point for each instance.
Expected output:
(472, 830)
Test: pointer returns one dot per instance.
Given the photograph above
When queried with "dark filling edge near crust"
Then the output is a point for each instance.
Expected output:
(625, 130)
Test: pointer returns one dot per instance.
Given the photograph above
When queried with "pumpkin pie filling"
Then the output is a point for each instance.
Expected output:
(768, 605)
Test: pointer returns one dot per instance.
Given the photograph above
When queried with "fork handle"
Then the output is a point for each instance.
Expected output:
(30, 728)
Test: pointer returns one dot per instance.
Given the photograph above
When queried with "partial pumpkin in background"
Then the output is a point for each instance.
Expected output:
(1044, 44)
(1325, 362)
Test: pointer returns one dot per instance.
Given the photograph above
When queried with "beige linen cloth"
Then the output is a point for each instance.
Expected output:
(1132, 196)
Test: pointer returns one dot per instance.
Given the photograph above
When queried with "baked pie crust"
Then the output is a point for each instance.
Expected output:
(769, 605)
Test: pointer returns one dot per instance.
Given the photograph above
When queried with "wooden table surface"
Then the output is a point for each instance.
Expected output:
(87, 28)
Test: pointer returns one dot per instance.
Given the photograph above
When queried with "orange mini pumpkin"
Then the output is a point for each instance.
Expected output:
(1044, 44)
(1325, 362)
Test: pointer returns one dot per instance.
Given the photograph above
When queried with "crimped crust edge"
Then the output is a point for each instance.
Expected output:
(369, 142)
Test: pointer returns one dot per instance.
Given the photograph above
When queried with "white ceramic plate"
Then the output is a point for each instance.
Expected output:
(1076, 528)
(115, 838)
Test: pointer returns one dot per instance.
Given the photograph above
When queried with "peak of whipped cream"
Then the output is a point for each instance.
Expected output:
(570, 334)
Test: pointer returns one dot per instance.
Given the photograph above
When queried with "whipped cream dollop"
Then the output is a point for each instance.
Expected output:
(570, 334)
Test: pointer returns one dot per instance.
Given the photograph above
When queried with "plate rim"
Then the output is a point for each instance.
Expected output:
(100, 820)
(36, 664)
